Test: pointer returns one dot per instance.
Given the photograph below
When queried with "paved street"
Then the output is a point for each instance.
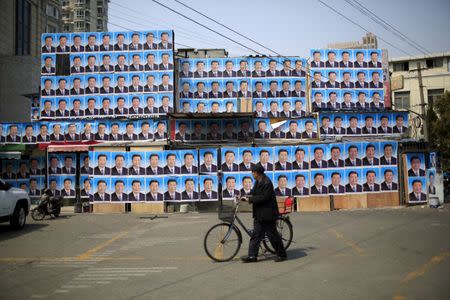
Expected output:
(364, 254)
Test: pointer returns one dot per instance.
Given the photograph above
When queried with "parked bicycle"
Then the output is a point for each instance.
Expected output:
(223, 241)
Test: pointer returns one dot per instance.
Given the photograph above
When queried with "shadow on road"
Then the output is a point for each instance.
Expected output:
(297, 253)
(7, 232)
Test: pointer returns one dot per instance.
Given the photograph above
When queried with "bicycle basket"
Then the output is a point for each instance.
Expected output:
(226, 213)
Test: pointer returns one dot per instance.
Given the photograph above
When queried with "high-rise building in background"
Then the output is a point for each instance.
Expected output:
(84, 15)
(369, 41)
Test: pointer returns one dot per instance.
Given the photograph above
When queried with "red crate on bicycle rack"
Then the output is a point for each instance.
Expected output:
(285, 205)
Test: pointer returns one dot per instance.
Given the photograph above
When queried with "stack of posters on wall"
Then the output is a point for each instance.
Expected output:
(416, 179)
(61, 178)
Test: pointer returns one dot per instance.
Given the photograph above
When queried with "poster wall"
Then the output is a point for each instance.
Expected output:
(416, 178)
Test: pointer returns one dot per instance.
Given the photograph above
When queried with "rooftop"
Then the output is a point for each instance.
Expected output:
(420, 57)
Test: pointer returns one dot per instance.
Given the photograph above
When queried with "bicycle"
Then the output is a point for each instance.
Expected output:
(227, 236)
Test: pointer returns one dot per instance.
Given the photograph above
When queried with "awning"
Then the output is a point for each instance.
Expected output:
(67, 146)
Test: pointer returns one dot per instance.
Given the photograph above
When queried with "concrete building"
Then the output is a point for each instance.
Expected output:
(22, 23)
(85, 15)
(200, 53)
(435, 69)
(369, 41)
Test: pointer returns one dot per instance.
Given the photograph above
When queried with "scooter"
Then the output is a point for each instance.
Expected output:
(48, 205)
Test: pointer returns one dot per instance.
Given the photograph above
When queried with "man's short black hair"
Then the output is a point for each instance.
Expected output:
(258, 168)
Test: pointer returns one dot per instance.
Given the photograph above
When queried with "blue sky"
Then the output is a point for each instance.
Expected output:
(290, 27)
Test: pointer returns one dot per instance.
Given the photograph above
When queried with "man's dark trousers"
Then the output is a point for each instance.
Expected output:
(261, 228)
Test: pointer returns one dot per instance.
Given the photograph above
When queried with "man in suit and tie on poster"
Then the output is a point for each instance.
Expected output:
(34, 191)
(150, 42)
(353, 186)
(48, 67)
(62, 88)
(318, 162)
(91, 46)
(399, 128)
(200, 71)
(106, 45)
(229, 90)
(229, 165)
(91, 88)
(247, 184)
(145, 134)
(208, 166)
(23, 171)
(34, 168)
(300, 163)
(368, 127)
(28, 138)
(165, 65)
(246, 164)
(161, 132)
(335, 161)
(353, 128)
(259, 93)
(337, 128)
(388, 158)
(376, 102)
(165, 85)
(9, 172)
(293, 131)
(285, 89)
(91, 66)
(331, 62)
(346, 82)
(135, 86)
(188, 166)
(360, 63)
(230, 191)
(318, 188)
(77, 47)
(332, 83)
(215, 93)
(258, 71)
(332, 101)
(62, 112)
(165, 107)
(376, 83)
(300, 189)
(76, 90)
(214, 72)
(417, 195)
(200, 93)
(172, 194)
(101, 133)
(336, 187)
(101, 168)
(106, 87)
(67, 191)
(298, 69)
(47, 112)
(287, 69)
(106, 110)
(136, 194)
(352, 159)
(130, 134)
(347, 103)
(119, 168)
(273, 90)
(106, 66)
(154, 168)
(154, 194)
(48, 47)
(374, 63)
(135, 42)
(298, 111)
(57, 136)
(370, 159)
(208, 193)
(262, 133)
(283, 164)
(309, 131)
(136, 169)
(388, 184)
(264, 160)
(62, 47)
(243, 90)
(121, 110)
(136, 65)
(345, 62)
(120, 45)
(298, 90)
(47, 90)
(286, 109)
(53, 185)
(76, 65)
(282, 190)
(171, 168)
(243, 69)
(318, 103)
(121, 64)
(317, 63)
(325, 129)
(165, 43)
(370, 185)
(115, 136)
(317, 81)
(186, 70)
(259, 109)
(277, 133)
(151, 87)
(272, 71)
(72, 135)
(85, 169)
(119, 194)
(229, 72)
(68, 166)
(415, 170)
(91, 110)
(361, 82)
(185, 93)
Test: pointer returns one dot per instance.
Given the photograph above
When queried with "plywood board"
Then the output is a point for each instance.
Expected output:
(148, 207)
(316, 203)
(108, 208)
(350, 201)
(383, 200)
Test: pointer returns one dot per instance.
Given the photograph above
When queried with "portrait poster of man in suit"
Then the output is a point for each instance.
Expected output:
(353, 180)
(246, 184)
(336, 156)
(68, 189)
(389, 156)
(118, 184)
(415, 164)
(136, 186)
(87, 187)
(230, 157)
(230, 186)
(101, 189)
(283, 184)
(48, 64)
(172, 187)
(190, 186)
(247, 159)
(372, 176)
(189, 164)
(336, 185)
(208, 188)
(208, 160)
(318, 184)
(417, 190)
(265, 158)
(301, 184)
(390, 179)
(155, 189)
(353, 155)
(101, 164)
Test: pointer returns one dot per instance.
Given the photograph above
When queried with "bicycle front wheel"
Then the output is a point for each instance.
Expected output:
(284, 228)
(222, 242)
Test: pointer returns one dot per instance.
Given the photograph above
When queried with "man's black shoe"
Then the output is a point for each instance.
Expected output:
(249, 259)
(280, 258)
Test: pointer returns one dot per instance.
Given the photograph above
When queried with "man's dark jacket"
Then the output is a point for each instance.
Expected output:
(264, 202)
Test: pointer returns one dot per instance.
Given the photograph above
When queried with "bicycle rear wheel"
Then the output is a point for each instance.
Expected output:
(222, 242)
(284, 228)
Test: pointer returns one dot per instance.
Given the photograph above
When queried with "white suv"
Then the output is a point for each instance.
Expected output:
(14, 205)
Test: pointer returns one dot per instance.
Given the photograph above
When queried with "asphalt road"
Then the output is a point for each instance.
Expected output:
(365, 254)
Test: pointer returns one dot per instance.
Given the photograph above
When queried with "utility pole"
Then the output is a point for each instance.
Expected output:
(422, 103)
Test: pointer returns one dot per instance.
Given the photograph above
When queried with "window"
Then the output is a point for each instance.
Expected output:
(435, 63)
(88, 27)
(67, 28)
(52, 11)
(401, 100)
(99, 10)
(401, 66)
(434, 95)
(79, 25)
(51, 29)
(80, 1)
(79, 13)
(23, 27)
(65, 2)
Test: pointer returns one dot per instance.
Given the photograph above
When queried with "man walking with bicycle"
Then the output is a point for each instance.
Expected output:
(265, 213)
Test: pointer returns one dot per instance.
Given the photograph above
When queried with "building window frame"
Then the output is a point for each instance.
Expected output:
(23, 28)
(402, 100)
